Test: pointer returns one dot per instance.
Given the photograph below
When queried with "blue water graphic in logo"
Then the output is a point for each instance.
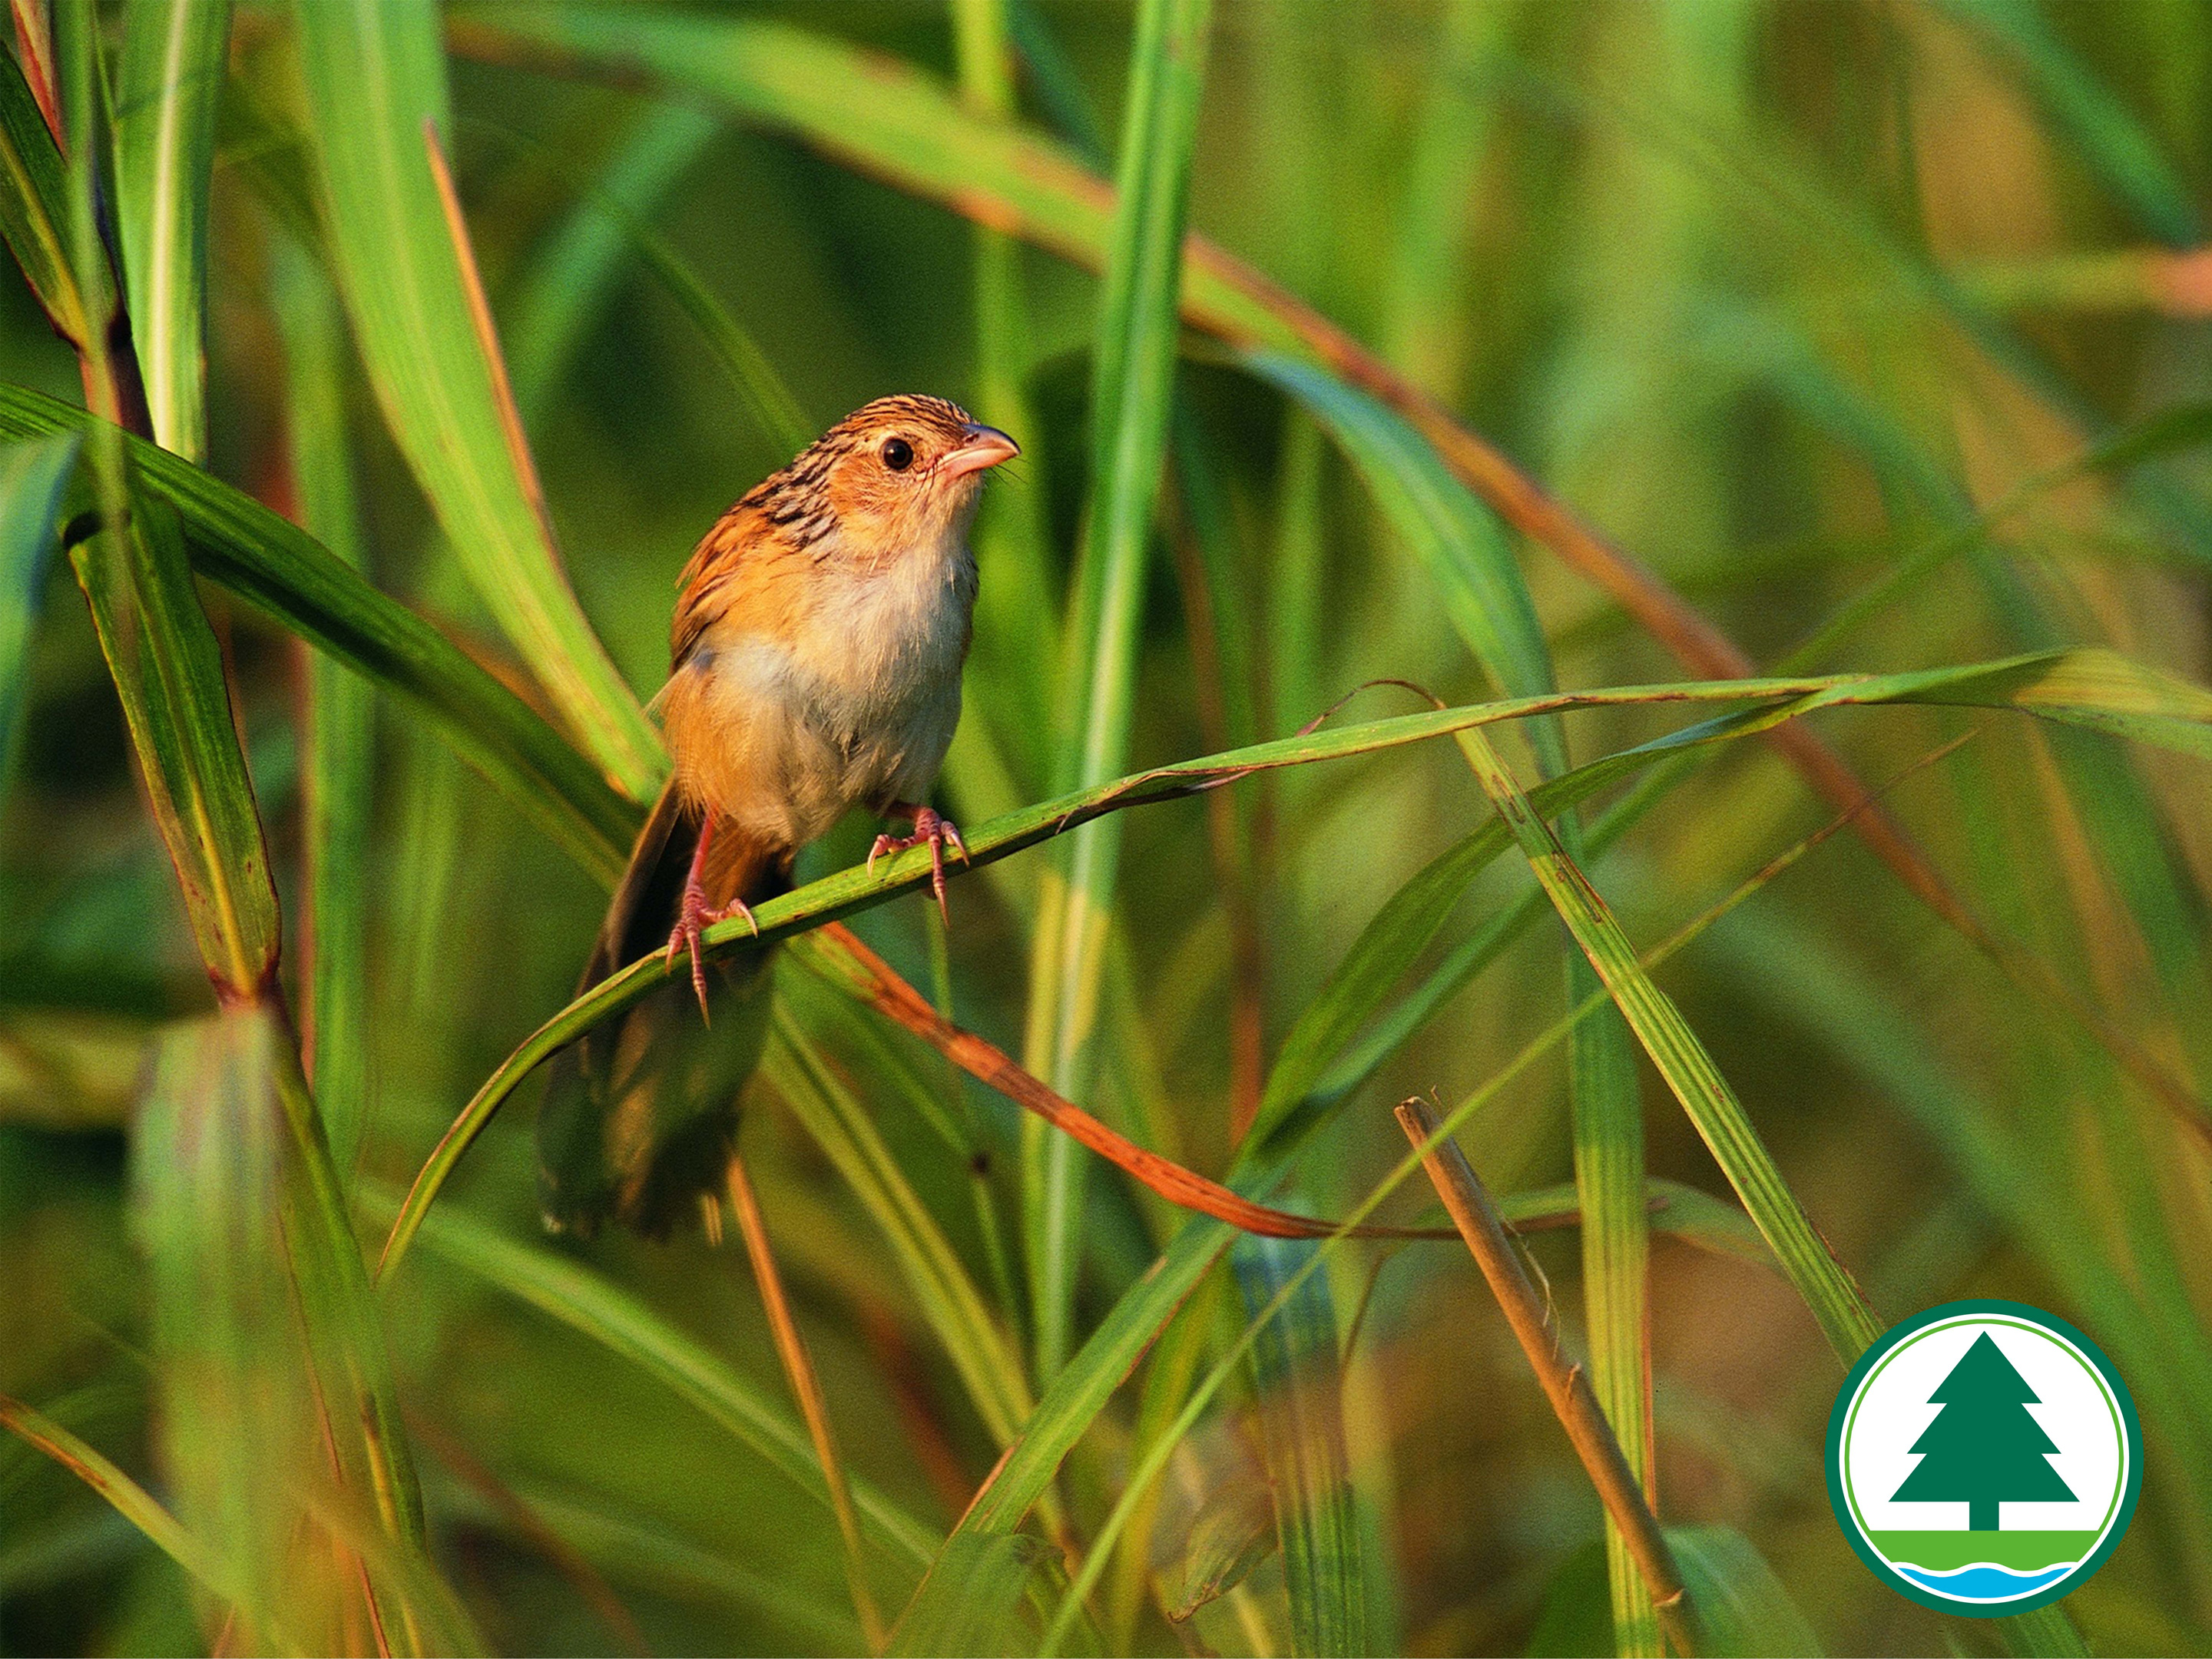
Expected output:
(1983, 1581)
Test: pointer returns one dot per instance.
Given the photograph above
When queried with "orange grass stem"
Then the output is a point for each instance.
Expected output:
(842, 954)
(806, 1389)
(1565, 1384)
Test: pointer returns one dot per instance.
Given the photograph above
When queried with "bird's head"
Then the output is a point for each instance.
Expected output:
(895, 474)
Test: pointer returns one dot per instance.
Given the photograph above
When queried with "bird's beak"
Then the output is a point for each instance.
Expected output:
(982, 446)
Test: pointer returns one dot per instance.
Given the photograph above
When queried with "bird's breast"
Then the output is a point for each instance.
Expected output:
(850, 699)
(879, 638)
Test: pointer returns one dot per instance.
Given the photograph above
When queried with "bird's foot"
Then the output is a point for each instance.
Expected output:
(693, 915)
(935, 830)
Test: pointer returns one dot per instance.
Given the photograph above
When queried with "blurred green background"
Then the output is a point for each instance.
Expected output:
(1786, 298)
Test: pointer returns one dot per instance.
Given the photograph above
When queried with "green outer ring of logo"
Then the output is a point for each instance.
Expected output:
(1894, 1338)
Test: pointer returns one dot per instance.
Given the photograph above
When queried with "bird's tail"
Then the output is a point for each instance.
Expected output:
(640, 1115)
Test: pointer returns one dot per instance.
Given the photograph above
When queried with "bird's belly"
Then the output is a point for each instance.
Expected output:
(792, 744)
(883, 654)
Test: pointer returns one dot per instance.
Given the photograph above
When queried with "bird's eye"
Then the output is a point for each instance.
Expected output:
(898, 454)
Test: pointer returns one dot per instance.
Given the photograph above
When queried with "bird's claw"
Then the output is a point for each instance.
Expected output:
(932, 829)
(695, 915)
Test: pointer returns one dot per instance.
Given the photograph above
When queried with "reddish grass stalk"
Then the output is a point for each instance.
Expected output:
(1565, 1385)
(806, 1389)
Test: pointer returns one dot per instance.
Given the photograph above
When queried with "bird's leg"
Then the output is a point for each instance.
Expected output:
(693, 913)
(930, 828)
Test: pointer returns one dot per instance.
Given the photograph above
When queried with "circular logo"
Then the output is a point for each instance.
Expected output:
(1984, 1458)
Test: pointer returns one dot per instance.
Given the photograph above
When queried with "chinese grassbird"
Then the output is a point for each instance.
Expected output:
(816, 653)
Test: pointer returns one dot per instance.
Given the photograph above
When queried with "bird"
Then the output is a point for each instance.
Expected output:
(816, 650)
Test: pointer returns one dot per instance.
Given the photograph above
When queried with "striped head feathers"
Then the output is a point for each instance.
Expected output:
(898, 476)
(895, 474)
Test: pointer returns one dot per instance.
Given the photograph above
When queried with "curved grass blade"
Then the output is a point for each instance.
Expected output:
(1688, 1213)
(274, 565)
(1744, 1609)
(1068, 1405)
(1836, 1303)
(1456, 542)
(582, 1299)
(32, 477)
(2170, 431)
(2093, 687)
(2110, 137)
(1132, 391)
(644, 1552)
(174, 58)
(1001, 1572)
(1074, 1398)
(774, 410)
(376, 102)
(130, 1500)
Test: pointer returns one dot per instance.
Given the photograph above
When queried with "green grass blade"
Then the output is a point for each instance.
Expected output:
(1425, 320)
(244, 1423)
(2083, 687)
(338, 758)
(1681, 1060)
(774, 410)
(169, 670)
(1132, 391)
(1068, 1405)
(574, 274)
(34, 203)
(582, 1299)
(1363, 978)
(174, 57)
(2108, 134)
(877, 113)
(1464, 552)
(1744, 1609)
(130, 1500)
(1694, 1216)
(2169, 432)
(376, 103)
(1017, 629)
(1296, 1377)
(884, 118)
(981, 1349)
(240, 545)
(1455, 541)
(32, 476)
(999, 1573)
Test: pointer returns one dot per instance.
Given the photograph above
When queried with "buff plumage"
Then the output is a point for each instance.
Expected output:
(816, 651)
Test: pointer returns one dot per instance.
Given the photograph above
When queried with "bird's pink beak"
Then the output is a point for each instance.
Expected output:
(982, 446)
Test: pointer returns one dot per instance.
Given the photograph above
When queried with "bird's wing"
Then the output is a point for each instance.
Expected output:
(709, 579)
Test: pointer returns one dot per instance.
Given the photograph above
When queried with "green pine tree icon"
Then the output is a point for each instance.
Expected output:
(1983, 1449)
